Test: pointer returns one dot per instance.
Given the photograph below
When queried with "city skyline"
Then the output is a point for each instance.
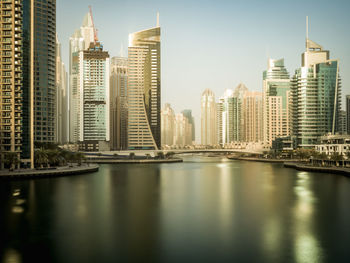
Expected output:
(184, 41)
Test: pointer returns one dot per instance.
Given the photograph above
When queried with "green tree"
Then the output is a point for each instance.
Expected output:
(160, 155)
(169, 155)
(323, 156)
(79, 157)
(41, 157)
(11, 159)
(53, 156)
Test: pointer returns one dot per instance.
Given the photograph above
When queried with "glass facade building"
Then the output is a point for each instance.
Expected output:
(10, 78)
(316, 96)
(276, 98)
(93, 86)
(119, 103)
(144, 87)
(188, 115)
(208, 118)
(44, 71)
(28, 73)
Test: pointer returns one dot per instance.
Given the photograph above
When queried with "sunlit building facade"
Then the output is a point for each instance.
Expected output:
(28, 72)
(11, 71)
(252, 117)
(79, 41)
(62, 117)
(208, 118)
(219, 109)
(316, 96)
(188, 114)
(276, 99)
(144, 87)
(183, 130)
(167, 125)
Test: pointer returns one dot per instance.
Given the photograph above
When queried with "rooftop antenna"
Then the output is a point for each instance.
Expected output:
(157, 19)
(307, 33)
(93, 25)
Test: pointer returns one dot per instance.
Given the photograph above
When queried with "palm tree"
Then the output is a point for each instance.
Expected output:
(160, 155)
(79, 157)
(41, 157)
(11, 158)
(336, 157)
(53, 156)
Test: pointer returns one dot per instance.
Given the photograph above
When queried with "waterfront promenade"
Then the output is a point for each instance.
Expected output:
(53, 172)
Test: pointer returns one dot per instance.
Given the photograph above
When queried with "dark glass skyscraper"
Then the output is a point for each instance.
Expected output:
(44, 70)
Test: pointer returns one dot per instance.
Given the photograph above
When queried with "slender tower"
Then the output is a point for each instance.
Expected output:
(144, 89)
(316, 95)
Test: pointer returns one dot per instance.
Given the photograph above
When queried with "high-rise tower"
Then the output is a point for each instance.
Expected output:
(118, 103)
(44, 71)
(11, 89)
(79, 41)
(316, 96)
(144, 127)
(208, 118)
(61, 98)
(276, 98)
(28, 72)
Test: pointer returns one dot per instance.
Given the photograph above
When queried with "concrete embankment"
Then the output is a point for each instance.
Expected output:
(251, 159)
(304, 167)
(132, 161)
(59, 171)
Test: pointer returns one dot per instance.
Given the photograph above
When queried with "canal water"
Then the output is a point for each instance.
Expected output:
(206, 209)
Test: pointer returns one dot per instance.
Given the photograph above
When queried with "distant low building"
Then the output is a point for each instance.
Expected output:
(283, 146)
(330, 144)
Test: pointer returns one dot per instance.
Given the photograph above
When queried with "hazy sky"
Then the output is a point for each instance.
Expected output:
(216, 44)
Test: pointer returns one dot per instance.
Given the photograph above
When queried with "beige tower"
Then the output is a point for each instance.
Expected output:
(11, 71)
(144, 90)
(208, 118)
(252, 117)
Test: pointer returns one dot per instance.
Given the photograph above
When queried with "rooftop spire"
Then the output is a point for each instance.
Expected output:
(157, 19)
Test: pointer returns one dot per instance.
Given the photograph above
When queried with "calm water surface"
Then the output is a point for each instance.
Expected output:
(202, 210)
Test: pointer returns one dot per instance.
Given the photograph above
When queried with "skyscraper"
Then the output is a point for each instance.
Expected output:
(61, 98)
(44, 71)
(252, 117)
(316, 96)
(144, 89)
(10, 69)
(167, 125)
(276, 98)
(93, 90)
(118, 103)
(208, 118)
(183, 130)
(219, 110)
(28, 64)
(190, 118)
(231, 117)
(80, 40)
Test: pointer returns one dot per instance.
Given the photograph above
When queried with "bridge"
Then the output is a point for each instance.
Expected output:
(176, 151)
